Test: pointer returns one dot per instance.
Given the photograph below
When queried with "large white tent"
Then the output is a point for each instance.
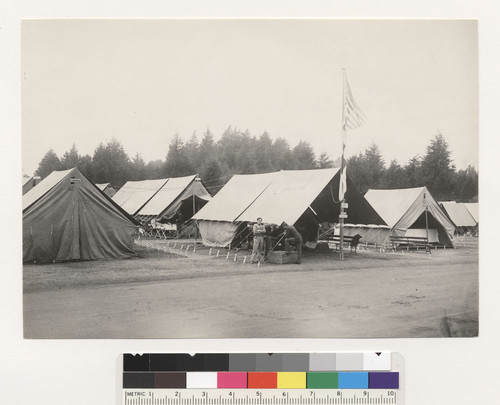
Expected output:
(178, 195)
(135, 194)
(473, 209)
(175, 198)
(404, 210)
(299, 197)
(459, 215)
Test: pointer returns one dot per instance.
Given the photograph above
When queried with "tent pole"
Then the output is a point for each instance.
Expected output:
(341, 215)
(341, 222)
(426, 226)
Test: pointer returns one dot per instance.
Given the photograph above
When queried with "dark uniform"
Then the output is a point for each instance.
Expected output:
(293, 236)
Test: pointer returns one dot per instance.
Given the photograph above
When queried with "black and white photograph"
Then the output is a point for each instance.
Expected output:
(250, 178)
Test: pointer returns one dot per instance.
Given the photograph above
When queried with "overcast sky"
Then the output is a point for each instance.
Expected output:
(87, 81)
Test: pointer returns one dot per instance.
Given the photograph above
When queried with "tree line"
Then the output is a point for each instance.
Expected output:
(238, 152)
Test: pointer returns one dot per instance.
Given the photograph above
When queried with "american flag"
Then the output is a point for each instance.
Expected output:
(352, 118)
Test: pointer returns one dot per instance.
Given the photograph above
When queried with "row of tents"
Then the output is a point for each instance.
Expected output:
(67, 217)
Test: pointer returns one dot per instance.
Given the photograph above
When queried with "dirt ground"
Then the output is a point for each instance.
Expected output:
(170, 293)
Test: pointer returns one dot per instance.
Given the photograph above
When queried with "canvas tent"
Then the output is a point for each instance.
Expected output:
(66, 217)
(107, 189)
(176, 201)
(473, 209)
(135, 194)
(459, 215)
(29, 183)
(300, 197)
(404, 211)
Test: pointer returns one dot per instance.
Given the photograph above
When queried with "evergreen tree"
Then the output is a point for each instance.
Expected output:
(282, 155)
(394, 177)
(264, 154)
(367, 170)
(413, 171)
(177, 164)
(324, 161)
(70, 158)
(154, 169)
(438, 169)
(303, 156)
(246, 156)
(466, 185)
(192, 151)
(111, 164)
(86, 166)
(212, 176)
(138, 168)
(48, 164)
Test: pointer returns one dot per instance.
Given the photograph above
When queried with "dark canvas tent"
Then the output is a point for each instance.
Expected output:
(66, 217)
(107, 189)
(404, 211)
(300, 197)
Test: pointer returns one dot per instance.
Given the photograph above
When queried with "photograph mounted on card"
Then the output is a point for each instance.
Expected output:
(260, 178)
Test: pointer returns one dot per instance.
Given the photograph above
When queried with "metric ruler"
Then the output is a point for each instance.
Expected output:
(258, 397)
(262, 378)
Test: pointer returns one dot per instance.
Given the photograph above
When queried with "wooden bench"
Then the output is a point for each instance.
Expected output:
(410, 242)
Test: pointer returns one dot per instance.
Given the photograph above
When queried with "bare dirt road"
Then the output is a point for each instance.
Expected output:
(162, 296)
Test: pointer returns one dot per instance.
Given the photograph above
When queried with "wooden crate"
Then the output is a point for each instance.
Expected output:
(282, 257)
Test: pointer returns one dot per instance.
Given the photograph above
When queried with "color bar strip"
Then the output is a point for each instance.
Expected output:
(353, 380)
(170, 380)
(231, 380)
(263, 380)
(136, 362)
(186, 362)
(295, 362)
(384, 380)
(380, 361)
(322, 362)
(138, 380)
(292, 380)
(201, 380)
(349, 361)
(322, 380)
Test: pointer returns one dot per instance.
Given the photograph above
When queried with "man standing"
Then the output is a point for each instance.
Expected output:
(259, 230)
(293, 236)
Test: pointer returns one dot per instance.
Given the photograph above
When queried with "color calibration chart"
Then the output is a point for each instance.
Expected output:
(262, 378)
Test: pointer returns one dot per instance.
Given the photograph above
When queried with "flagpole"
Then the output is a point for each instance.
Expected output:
(341, 215)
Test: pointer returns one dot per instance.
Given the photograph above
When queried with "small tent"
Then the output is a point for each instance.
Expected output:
(404, 211)
(176, 201)
(460, 216)
(107, 189)
(304, 198)
(66, 217)
(473, 209)
(135, 194)
(29, 183)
